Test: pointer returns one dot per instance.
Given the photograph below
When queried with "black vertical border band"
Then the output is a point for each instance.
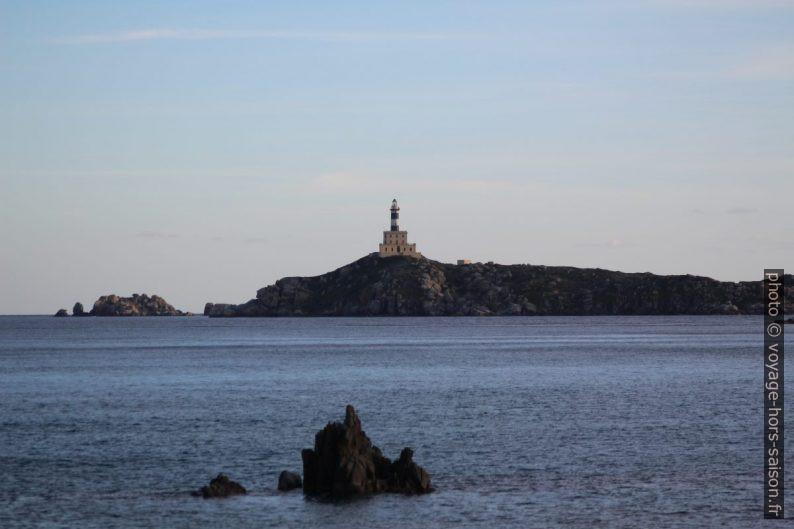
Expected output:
(774, 316)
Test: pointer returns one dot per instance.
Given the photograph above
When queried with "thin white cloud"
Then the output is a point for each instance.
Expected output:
(765, 241)
(723, 4)
(741, 211)
(770, 62)
(343, 182)
(614, 243)
(213, 34)
(349, 183)
(156, 235)
(767, 63)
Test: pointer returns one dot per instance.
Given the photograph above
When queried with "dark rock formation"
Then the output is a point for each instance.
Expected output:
(78, 310)
(289, 480)
(61, 313)
(344, 462)
(408, 477)
(220, 309)
(220, 487)
(137, 305)
(404, 286)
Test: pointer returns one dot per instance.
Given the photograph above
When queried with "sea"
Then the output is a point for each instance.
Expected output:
(522, 422)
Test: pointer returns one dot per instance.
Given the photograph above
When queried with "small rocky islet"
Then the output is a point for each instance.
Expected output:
(220, 487)
(135, 305)
(343, 463)
(289, 480)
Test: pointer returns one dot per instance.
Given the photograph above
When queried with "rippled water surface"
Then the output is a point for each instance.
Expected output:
(521, 422)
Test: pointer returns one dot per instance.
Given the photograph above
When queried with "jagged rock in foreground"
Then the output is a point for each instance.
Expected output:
(289, 480)
(61, 313)
(344, 462)
(137, 305)
(220, 487)
(404, 286)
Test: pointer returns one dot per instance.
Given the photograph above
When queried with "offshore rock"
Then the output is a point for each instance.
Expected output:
(61, 313)
(137, 305)
(219, 309)
(344, 462)
(78, 310)
(404, 286)
(289, 480)
(220, 487)
(408, 477)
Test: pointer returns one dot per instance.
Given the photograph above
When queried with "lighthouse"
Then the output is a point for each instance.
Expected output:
(395, 241)
(395, 216)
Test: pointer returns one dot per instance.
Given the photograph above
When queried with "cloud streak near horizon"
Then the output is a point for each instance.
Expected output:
(142, 35)
(728, 4)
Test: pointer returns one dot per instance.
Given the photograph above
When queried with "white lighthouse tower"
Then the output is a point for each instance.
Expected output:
(395, 242)
(395, 216)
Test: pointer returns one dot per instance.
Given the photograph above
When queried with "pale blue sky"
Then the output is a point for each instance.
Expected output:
(201, 150)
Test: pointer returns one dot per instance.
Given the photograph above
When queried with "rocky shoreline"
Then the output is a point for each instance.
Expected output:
(404, 286)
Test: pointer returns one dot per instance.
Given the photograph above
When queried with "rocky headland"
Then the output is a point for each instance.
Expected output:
(136, 305)
(405, 286)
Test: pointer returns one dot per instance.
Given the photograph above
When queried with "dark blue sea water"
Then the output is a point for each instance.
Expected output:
(521, 422)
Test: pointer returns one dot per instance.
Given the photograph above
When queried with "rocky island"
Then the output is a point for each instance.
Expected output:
(417, 286)
(136, 305)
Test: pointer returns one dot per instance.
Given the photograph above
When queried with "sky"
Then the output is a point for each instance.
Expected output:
(202, 150)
